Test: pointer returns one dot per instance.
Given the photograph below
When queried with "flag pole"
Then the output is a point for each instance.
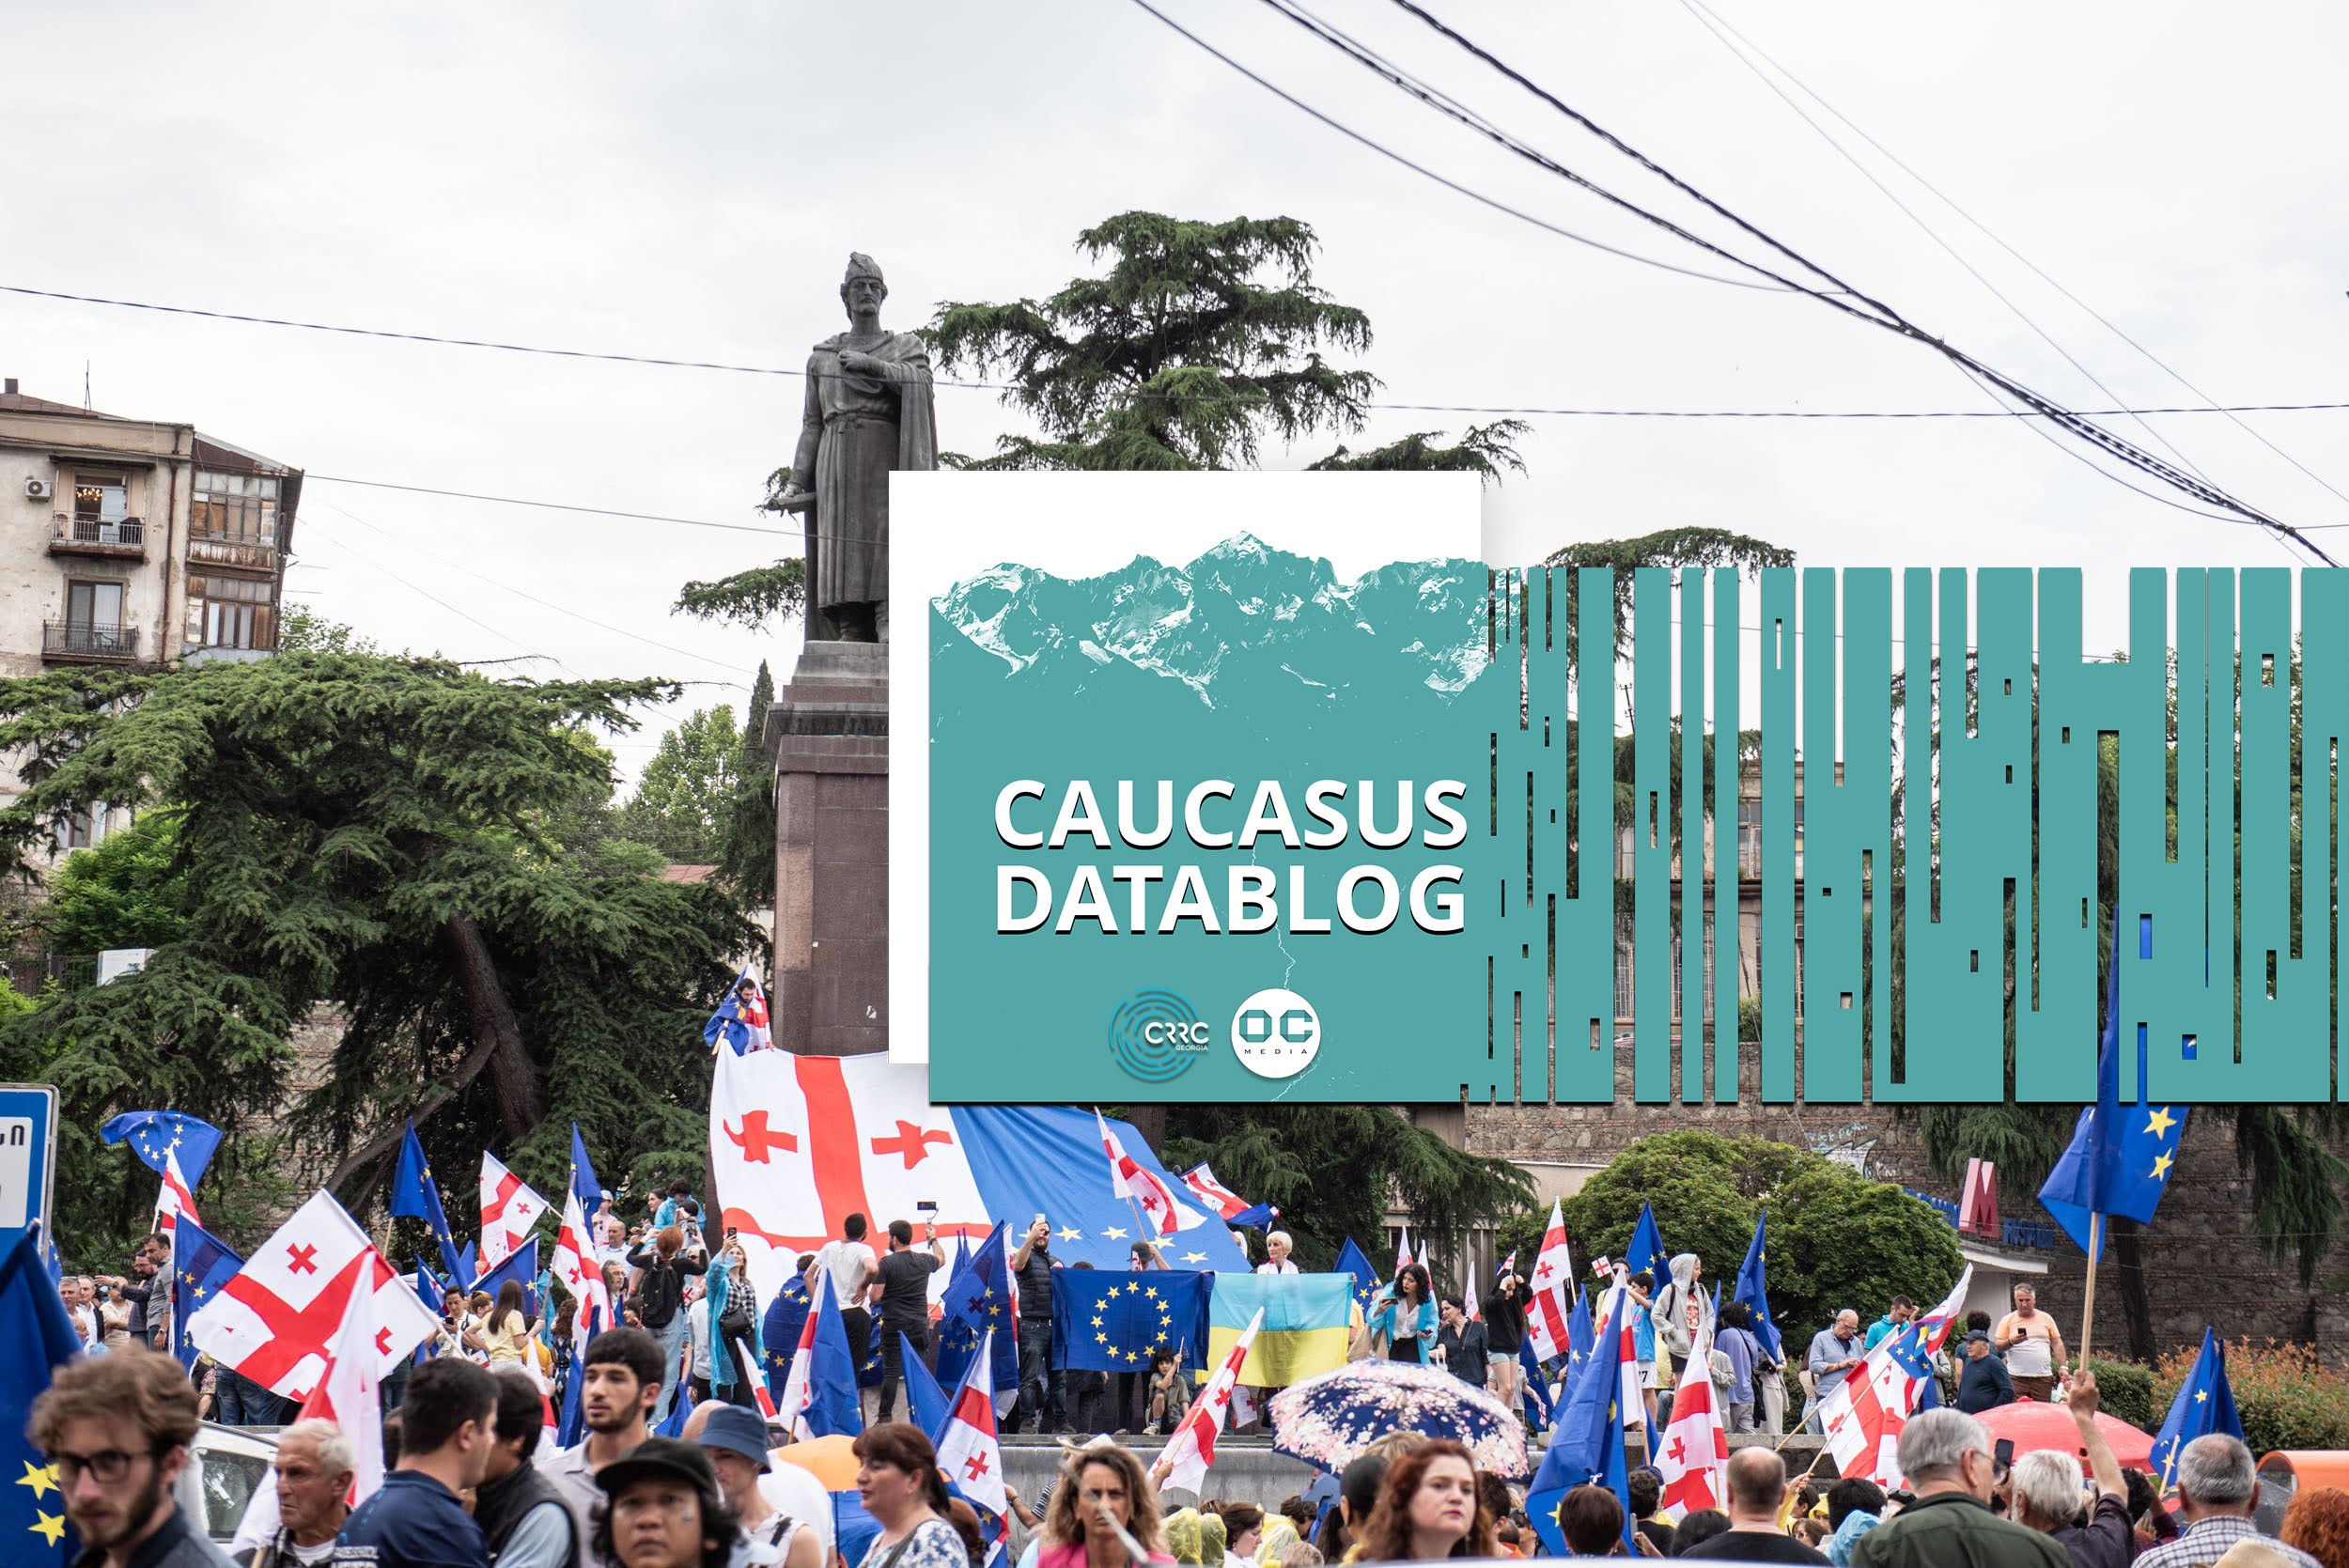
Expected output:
(2088, 1307)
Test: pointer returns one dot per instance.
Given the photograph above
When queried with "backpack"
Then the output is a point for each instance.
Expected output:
(659, 1292)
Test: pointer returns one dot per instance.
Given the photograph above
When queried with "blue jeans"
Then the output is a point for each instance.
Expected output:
(1043, 1390)
(239, 1401)
(672, 1337)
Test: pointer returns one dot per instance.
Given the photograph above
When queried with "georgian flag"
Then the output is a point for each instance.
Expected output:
(1234, 1209)
(969, 1451)
(276, 1319)
(1694, 1459)
(508, 1211)
(1548, 1307)
(575, 1267)
(174, 1200)
(1191, 1450)
(1128, 1179)
(1864, 1415)
(1402, 1248)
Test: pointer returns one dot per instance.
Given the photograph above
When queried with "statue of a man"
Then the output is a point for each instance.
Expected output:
(868, 413)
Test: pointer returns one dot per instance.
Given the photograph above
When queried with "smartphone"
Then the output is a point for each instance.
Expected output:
(926, 1206)
(2004, 1452)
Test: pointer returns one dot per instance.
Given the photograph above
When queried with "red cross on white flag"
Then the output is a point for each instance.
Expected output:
(1549, 1306)
(174, 1201)
(1693, 1457)
(575, 1267)
(1128, 1179)
(968, 1448)
(1191, 1450)
(508, 1211)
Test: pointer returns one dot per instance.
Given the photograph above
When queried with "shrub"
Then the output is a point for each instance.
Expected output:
(2125, 1391)
(2287, 1397)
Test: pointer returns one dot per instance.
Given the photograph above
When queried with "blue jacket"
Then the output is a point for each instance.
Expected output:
(413, 1522)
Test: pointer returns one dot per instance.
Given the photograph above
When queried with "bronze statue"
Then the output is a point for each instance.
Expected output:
(868, 413)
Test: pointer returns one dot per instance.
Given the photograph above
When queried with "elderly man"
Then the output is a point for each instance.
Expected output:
(1947, 1456)
(1835, 1350)
(314, 1468)
(2220, 1486)
(2046, 1485)
(1757, 1489)
(2032, 1346)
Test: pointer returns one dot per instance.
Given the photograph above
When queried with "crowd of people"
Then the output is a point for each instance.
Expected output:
(473, 1478)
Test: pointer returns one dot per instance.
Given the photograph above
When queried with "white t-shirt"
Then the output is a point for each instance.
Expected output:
(1284, 1267)
(797, 1493)
(849, 1263)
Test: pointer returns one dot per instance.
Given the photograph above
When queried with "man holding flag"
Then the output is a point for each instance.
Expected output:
(741, 1020)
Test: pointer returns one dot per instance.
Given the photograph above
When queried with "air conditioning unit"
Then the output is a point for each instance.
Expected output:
(38, 490)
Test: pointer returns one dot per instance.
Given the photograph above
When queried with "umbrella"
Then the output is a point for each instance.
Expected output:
(827, 1459)
(2032, 1425)
(1328, 1421)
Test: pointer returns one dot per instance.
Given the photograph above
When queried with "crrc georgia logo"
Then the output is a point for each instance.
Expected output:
(1276, 1033)
(1156, 1034)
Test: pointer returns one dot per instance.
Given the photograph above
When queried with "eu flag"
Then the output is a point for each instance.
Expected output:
(2204, 1404)
(780, 1332)
(154, 1134)
(2121, 1157)
(41, 1339)
(584, 1176)
(1587, 1444)
(926, 1405)
(833, 1408)
(417, 1196)
(1580, 1335)
(1113, 1322)
(978, 1298)
(520, 1265)
(1752, 1290)
(1645, 1250)
(1351, 1261)
(201, 1262)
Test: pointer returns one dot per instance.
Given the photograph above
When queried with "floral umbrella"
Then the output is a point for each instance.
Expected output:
(1328, 1421)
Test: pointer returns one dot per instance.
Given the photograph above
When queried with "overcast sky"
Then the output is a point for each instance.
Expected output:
(686, 181)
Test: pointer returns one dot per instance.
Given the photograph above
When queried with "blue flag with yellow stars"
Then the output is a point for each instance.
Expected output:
(417, 1196)
(201, 1262)
(154, 1134)
(1753, 1290)
(1112, 1322)
(979, 1297)
(780, 1332)
(2121, 1156)
(2206, 1404)
(1351, 1261)
(41, 1338)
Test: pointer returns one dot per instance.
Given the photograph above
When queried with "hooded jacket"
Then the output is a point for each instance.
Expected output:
(1669, 1312)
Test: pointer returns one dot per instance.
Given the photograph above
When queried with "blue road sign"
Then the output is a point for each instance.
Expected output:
(28, 1157)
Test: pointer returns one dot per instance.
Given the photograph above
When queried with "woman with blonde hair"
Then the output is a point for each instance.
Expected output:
(1102, 1491)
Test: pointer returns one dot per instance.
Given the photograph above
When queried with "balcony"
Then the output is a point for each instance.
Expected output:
(205, 550)
(122, 538)
(86, 643)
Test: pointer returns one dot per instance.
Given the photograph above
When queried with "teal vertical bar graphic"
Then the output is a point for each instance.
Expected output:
(2050, 1062)
(1689, 866)
(2166, 990)
(2323, 726)
(1651, 834)
(2287, 1012)
(1727, 902)
(1831, 886)
(1942, 982)
(1782, 867)
(1586, 919)
(1512, 770)
(1866, 652)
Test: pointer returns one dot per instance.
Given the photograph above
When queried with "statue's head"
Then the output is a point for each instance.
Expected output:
(861, 290)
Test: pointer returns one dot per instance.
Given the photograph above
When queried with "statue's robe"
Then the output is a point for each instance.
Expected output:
(870, 425)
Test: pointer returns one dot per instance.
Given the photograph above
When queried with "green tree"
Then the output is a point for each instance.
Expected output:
(124, 891)
(1836, 1239)
(413, 844)
(304, 630)
(746, 846)
(684, 803)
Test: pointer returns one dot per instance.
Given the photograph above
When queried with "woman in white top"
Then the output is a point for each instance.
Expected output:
(1276, 1249)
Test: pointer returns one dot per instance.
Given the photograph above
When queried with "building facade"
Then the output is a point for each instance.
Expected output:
(132, 543)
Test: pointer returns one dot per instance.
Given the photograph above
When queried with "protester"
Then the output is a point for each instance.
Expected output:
(1895, 1318)
(2317, 1523)
(505, 1333)
(77, 1311)
(1405, 1317)
(1946, 1456)
(1835, 1350)
(724, 1319)
(1462, 1341)
(1043, 1390)
(2032, 1346)
(847, 1260)
(1243, 1529)
(313, 1465)
(2047, 1490)
(455, 1335)
(1102, 1491)
(1184, 1542)
(1756, 1480)
(1639, 1287)
(525, 1523)
(658, 1306)
(2219, 1485)
(113, 1317)
(1276, 1254)
(117, 1430)
(735, 1440)
(1855, 1506)
(1646, 1488)
(898, 1483)
(663, 1510)
(1982, 1381)
(1504, 1335)
(239, 1401)
(904, 1304)
(1591, 1519)
(448, 1433)
(1166, 1392)
(1748, 1364)
(1429, 1508)
(2154, 1523)
(619, 1380)
(1680, 1313)
(1696, 1528)
(151, 1255)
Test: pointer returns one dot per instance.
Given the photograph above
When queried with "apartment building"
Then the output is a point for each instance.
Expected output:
(132, 543)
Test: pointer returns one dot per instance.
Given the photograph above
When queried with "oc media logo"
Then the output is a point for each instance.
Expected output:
(1156, 1034)
(1276, 1033)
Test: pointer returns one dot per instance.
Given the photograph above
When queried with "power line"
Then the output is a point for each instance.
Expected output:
(1850, 300)
(552, 506)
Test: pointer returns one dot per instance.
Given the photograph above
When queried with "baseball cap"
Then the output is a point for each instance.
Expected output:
(1973, 1334)
(736, 1431)
(663, 1457)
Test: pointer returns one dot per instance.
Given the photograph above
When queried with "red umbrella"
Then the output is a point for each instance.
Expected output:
(2032, 1425)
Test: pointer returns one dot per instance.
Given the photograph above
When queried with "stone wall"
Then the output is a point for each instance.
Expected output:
(2201, 1264)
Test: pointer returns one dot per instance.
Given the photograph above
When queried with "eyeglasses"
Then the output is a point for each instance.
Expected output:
(109, 1465)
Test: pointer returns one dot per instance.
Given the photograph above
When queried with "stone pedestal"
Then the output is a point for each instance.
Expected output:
(829, 733)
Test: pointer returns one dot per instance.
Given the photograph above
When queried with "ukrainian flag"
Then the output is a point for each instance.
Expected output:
(1306, 1325)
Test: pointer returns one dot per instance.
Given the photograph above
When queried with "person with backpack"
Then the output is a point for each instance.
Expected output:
(659, 1304)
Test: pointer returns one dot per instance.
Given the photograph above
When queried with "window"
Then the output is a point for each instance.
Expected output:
(1749, 835)
(76, 834)
(226, 612)
(94, 606)
(241, 507)
(101, 497)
